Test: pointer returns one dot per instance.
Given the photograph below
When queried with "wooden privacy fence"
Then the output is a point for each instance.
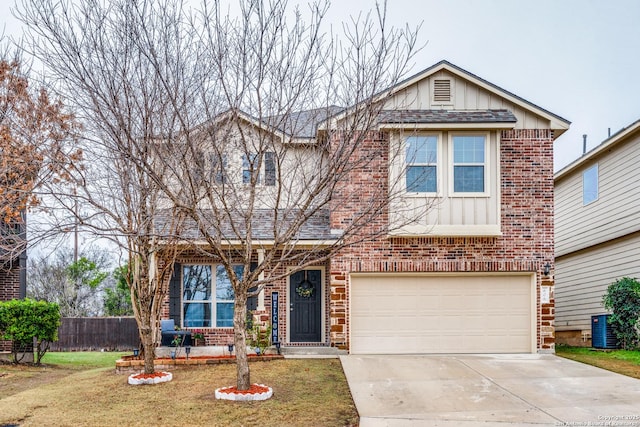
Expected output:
(97, 333)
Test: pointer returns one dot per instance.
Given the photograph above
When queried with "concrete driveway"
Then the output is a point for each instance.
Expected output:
(488, 390)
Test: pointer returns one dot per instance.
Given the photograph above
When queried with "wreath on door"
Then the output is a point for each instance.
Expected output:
(305, 288)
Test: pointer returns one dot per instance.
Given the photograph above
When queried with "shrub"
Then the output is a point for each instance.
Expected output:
(623, 299)
(258, 333)
(23, 321)
(260, 336)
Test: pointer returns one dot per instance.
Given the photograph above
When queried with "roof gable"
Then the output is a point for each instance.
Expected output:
(469, 93)
(444, 69)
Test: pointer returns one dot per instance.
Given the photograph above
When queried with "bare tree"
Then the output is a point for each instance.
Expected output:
(244, 138)
(96, 58)
(279, 163)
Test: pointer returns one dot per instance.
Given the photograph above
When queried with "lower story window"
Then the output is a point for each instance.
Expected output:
(207, 299)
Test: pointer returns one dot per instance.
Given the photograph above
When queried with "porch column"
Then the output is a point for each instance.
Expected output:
(260, 277)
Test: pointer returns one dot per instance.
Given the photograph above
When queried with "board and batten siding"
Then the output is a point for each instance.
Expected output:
(447, 209)
(465, 96)
(615, 213)
(582, 279)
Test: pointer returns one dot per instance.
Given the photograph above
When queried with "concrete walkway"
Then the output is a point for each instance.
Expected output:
(488, 390)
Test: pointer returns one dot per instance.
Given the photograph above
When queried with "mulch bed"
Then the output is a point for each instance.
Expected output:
(131, 363)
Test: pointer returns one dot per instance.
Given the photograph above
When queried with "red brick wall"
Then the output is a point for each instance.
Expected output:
(9, 283)
(526, 244)
(526, 170)
(9, 289)
(224, 336)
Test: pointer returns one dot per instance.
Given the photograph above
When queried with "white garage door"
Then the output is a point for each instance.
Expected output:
(441, 314)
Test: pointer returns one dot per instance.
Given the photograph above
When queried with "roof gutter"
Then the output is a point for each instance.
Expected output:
(299, 244)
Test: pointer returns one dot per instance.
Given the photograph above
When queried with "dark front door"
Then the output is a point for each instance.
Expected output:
(305, 308)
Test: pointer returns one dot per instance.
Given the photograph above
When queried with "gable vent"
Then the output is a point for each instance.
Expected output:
(442, 90)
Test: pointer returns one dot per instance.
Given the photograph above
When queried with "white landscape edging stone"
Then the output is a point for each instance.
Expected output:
(243, 397)
(166, 377)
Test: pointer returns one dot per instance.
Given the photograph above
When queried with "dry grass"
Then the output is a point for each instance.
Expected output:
(306, 392)
(15, 379)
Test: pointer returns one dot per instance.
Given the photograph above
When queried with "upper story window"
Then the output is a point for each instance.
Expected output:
(269, 168)
(202, 307)
(219, 168)
(440, 172)
(249, 167)
(590, 185)
(469, 163)
(421, 157)
(267, 165)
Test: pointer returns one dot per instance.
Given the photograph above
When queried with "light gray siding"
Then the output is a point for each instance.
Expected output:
(615, 213)
(582, 279)
(599, 242)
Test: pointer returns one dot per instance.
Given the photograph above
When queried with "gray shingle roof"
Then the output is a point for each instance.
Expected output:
(302, 124)
(317, 227)
(446, 116)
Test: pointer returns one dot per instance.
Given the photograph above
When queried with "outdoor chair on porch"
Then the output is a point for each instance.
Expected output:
(169, 333)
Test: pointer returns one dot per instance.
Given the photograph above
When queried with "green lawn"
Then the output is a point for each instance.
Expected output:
(624, 362)
(83, 359)
(628, 355)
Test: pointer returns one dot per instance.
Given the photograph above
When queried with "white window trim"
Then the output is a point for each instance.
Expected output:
(597, 168)
(487, 164)
(200, 301)
(448, 230)
(213, 301)
(439, 165)
(214, 311)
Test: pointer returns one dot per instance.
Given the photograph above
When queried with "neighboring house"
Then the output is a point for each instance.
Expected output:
(597, 224)
(473, 275)
(13, 277)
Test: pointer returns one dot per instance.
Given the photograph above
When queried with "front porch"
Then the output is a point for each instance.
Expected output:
(294, 309)
(216, 355)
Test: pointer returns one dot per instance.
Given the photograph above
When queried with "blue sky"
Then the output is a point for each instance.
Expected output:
(576, 58)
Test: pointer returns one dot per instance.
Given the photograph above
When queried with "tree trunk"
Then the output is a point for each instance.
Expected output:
(146, 299)
(239, 333)
(148, 347)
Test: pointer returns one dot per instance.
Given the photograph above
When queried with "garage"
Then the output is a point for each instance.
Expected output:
(410, 314)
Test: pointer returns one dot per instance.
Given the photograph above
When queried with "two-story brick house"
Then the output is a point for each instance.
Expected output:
(472, 274)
